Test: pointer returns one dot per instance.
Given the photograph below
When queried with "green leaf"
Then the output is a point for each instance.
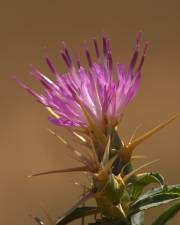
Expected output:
(153, 191)
(156, 197)
(76, 214)
(142, 181)
(138, 218)
(167, 214)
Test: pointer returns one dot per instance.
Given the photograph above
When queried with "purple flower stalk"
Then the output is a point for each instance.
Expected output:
(100, 92)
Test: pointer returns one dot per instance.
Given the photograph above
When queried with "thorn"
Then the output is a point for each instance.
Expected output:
(126, 177)
(131, 146)
(75, 169)
(134, 133)
(138, 157)
(79, 136)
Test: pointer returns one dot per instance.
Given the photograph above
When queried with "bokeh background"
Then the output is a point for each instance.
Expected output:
(26, 27)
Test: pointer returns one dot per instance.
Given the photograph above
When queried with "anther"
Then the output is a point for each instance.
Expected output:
(67, 53)
(96, 48)
(88, 56)
(136, 52)
(143, 57)
(50, 64)
(108, 45)
(104, 45)
(66, 60)
(109, 60)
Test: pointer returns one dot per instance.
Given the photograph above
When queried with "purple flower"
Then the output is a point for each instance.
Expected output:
(98, 94)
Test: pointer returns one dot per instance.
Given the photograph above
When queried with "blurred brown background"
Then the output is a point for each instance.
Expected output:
(26, 27)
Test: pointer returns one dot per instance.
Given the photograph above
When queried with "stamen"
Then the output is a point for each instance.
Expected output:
(108, 44)
(73, 93)
(143, 57)
(78, 61)
(67, 53)
(109, 55)
(50, 64)
(66, 60)
(88, 56)
(96, 48)
(136, 52)
(43, 79)
(104, 45)
(109, 60)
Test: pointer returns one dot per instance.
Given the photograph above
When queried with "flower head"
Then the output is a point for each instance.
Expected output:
(99, 93)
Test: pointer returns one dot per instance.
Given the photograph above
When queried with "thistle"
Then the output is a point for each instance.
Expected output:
(90, 104)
